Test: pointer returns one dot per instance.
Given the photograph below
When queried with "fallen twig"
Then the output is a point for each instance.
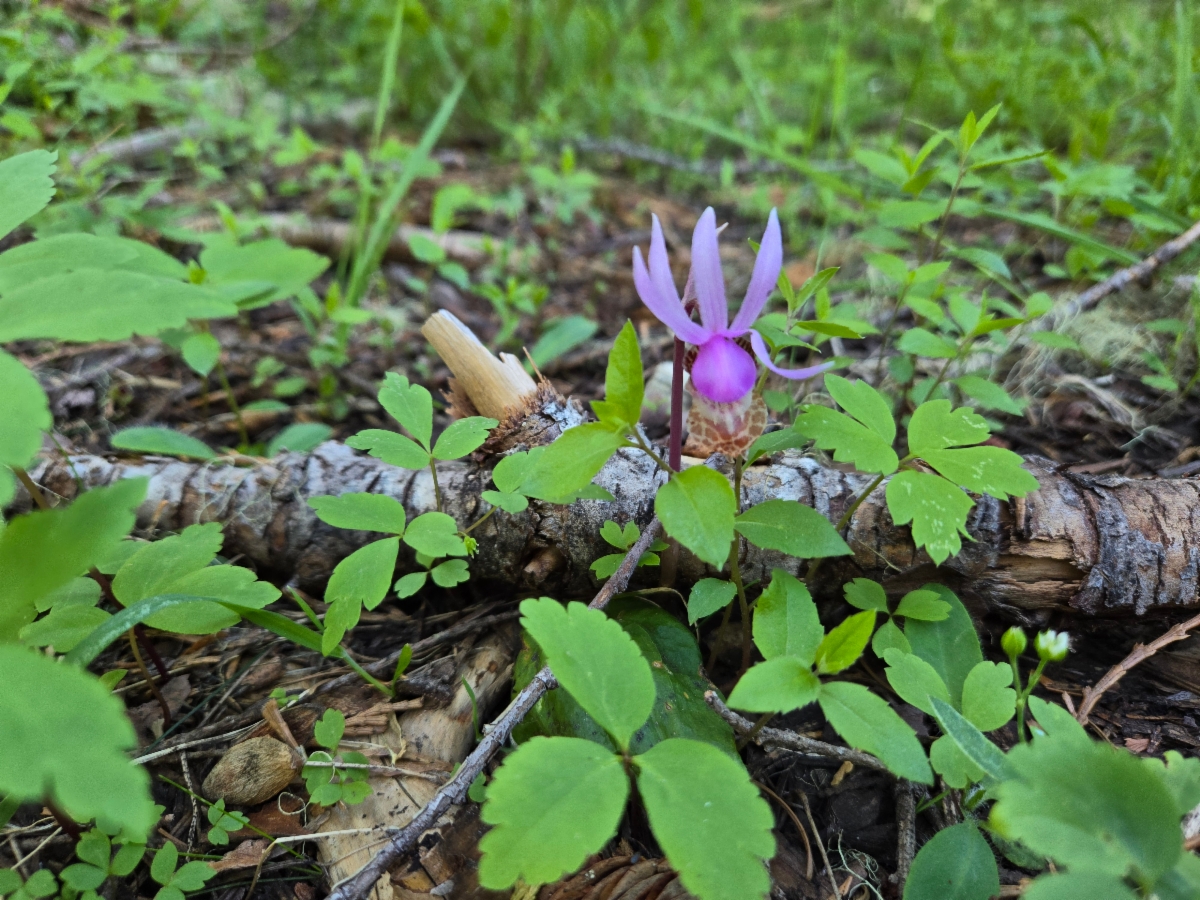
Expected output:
(454, 792)
(906, 828)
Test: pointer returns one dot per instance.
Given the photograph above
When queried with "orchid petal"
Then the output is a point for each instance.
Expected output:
(706, 268)
(764, 356)
(762, 281)
(668, 310)
(723, 372)
(660, 266)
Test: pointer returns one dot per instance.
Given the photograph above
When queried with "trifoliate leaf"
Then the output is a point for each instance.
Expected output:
(935, 426)
(792, 528)
(952, 764)
(708, 818)
(777, 685)
(24, 411)
(851, 441)
(863, 593)
(914, 680)
(984, 470)
(159, 564)
(936, 508)
(988, 698)
(289, 269)
(922, 342)
(988, 394)
(435, 534)
(708, 596)
(595, 661)
(64, 737)
(927, 606)
(394, 449)
(624, 382)
(786, 621)
(865, 404)
(365, 575)
(889, 636)
(299, 437)
(696, 507)
(362, 512)
(510, 503)
(161, 442)
(26, 186)
(462, 437)
(950, 645)
(867, 723)
(842, 647)
(450, 573)
(554, 802)
(570, 463)
(409, 404)
(956, 864)
(606, 565)
(409, 584)
(201, 351)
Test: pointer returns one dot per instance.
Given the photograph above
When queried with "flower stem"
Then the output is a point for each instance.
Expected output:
(437, 493)
(735, 570)
(675, 449)
(487, 515)
(35, 492)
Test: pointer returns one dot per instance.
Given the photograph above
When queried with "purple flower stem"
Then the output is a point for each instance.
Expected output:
(675, 450)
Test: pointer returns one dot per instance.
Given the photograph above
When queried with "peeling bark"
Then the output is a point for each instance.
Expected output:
(1095, 545)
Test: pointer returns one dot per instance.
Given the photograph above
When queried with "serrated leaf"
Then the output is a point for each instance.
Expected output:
(409, 404)
(708, 596)
(595, 661)
(450, 573)
(161, 442)
(708, 818)
(777, 685)
(159, 564)
(988, 698)
(299, 437)
(915, 680)
(624, 381)
(570, 463)
(971, 741)
(774, 442)
(851, 441)
(362, 512)
(65, 737)
(435, 534)
(786, 621)
(863, 593)
(26, 187)
(887, 637)
(922, 342)
(462, 437)
(510, 503)
(64, 628)
(989, 394)
(552, 803)
(936, 426)
(867, 723)
(936, 508)
(865, 404)
(792, 528)
(984, 470)
(842, 647)
(986, 261)
(201, 351)
(925, 605)
(409, 584)
(365, 575)
(950, 645)
(288, 269)
(956, 864)
(696, 507)
(394, 449)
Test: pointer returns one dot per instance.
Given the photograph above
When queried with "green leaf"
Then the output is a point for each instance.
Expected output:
(162, 867)
(792, 528)
(394, 449)
(842, 647)
(43, 551)
(786, 621)
(953, 765)
(697, 508)
(510, 503)
(409, 584)
(863, 593)
(891, 266)
(922, 342)
(76, 592)
(192, 876)
(865, 404)
(988, 394)
(232, 584)
(774, 442)
(915, 680)
(328, 730)
(595, 661)
(410, 405)
(986, 261)
(65, 737)
(908, 214)
(624, 381)
(435, 534)
(561, 336)
(1057, 722)
(554, 802)
(606, 565)
(851, 441)
(288, 269)
(159, 564)
(971, 741)
(950, 645)
(570, 463)
(64, 628)
(201, 351)
(161, 442)
(365, 575)
(935, 426)
(988, 698)
(86, 651)
(956, 864)
(450, 573)
(936, 508)
(300, 437)
(98, 305)
(362, 512)
(1075, 885)
(462, 437)
(341, 616)
(984, 470)
(889, 636)
(778, 685)
(708, 596)
(708, 818)
(23, 409)
(1055, 340)
(83, 877)
(867, 723)
(26, 186)
(61, 253)
(924, 605)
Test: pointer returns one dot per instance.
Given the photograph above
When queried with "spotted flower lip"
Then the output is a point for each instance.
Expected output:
(723, 371)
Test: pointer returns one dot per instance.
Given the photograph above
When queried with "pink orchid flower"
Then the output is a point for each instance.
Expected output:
(723, 371)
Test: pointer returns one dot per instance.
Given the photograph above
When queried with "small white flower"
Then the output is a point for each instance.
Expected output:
(1052, 646)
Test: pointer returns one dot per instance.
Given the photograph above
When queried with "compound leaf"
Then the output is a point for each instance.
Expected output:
(936, 508)
(935, 426)
(792, 528)
(362, 512)
(394, 449)
(777, 685)
(984, 470)
(867, 723)
(435, 534)
(697, 508)
(409, 404)
(842, 647)
(786, 621)
(462, 437)
(849, 440)
(865, 403)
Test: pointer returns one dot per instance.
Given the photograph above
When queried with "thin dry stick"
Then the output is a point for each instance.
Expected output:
(820, 846)
(787, 808)
(906, 827)
(454, 792)
(1141, 653)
